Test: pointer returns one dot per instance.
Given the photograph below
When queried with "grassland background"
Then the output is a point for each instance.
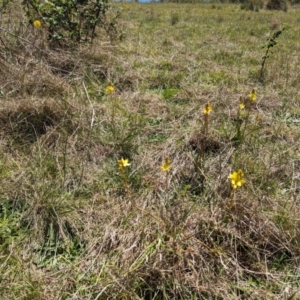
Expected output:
(73, 226)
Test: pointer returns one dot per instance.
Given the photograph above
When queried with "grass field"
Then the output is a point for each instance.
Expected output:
(124, 192)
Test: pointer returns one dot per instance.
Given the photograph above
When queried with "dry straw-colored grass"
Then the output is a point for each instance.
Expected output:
(74, 226)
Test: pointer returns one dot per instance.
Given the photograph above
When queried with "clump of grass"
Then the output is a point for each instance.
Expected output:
(174, 18)
(245, 106)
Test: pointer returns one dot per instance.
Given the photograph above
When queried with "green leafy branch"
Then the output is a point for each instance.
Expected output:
(271, 42)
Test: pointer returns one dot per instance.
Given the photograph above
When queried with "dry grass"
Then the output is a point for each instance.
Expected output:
(74, 226)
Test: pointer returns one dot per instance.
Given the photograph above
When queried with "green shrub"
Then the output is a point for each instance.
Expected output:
(277, 5)
(68, 21)
(254, 5)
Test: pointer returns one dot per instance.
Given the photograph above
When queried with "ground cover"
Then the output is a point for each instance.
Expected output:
(161, 166)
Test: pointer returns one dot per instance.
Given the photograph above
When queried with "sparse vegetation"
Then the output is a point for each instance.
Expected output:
(157, 167)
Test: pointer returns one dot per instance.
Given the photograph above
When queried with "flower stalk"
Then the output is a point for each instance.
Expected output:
(110, 90)
(206, 111)
(123, 168)
(165, 167)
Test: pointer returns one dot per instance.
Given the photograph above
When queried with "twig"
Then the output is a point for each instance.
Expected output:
(93, 110)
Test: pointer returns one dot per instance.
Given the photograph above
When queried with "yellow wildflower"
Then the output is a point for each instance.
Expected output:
(123, 163)
(237, 179)
(242, 105)
(37, 23)
(252, 95)
(167, 165)
(110, 89)
(208, 109)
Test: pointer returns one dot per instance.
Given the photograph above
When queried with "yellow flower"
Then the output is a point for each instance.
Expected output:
(208, 109)
(252, 95)
(123, 163)
(242, 105)
(237, 179)
(167, 165)
(110, 89)
(37, 24)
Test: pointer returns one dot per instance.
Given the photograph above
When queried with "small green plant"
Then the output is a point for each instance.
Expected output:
(271, 42)
(174, 18)
(9, 226)
(239, 122)
(203, 138)
(169, 93)
(243, 114)
(201, 143)
(123, 126)
(54, 252)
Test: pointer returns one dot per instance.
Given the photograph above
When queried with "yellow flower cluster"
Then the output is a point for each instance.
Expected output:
(236, 179)
(110, 89)
(167, 165)
(208, 109)
(252, 95)
(123, 163)
(37, 23)
(242, 105)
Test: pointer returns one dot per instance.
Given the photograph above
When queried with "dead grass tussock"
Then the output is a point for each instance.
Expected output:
(185, 253)
(27, 120)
